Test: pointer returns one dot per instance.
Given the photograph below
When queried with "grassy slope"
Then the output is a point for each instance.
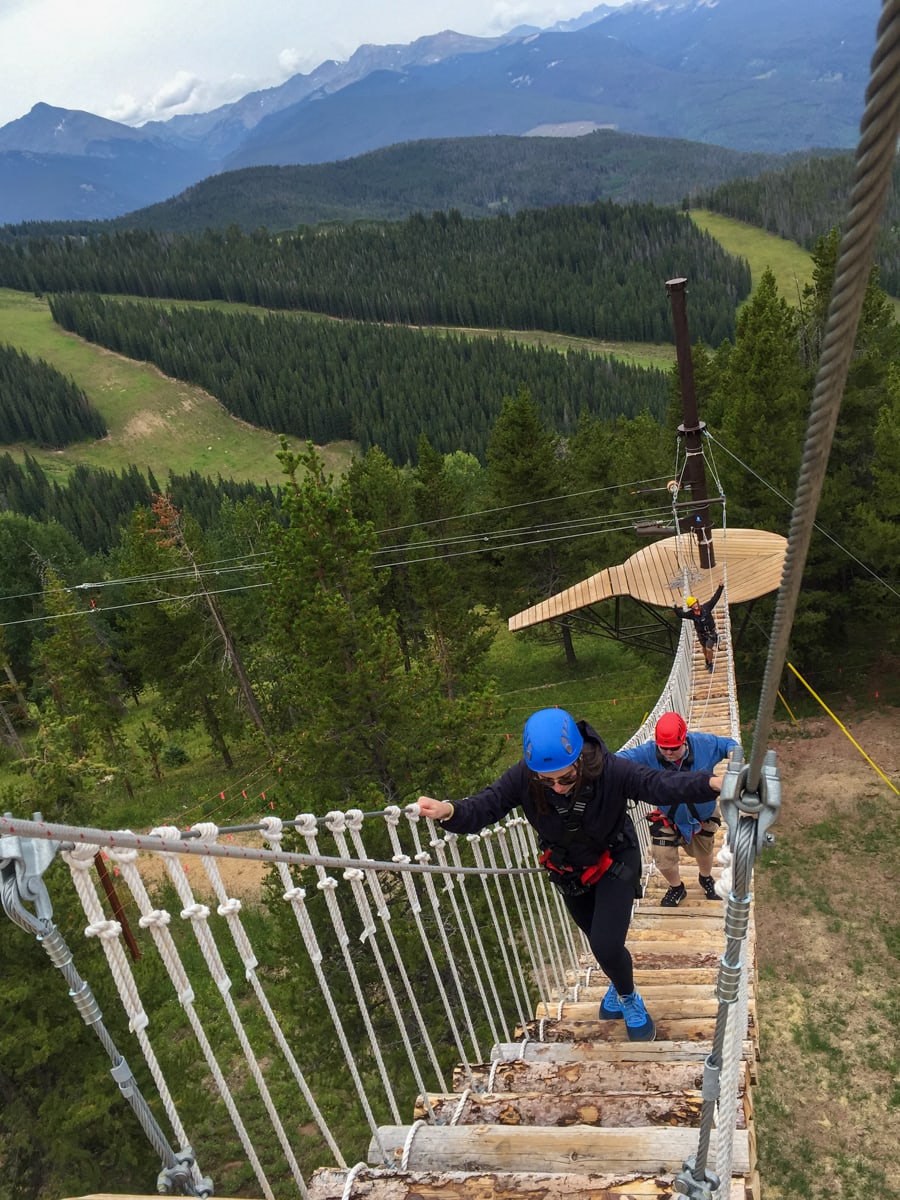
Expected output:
(790, 264)
(153, 421)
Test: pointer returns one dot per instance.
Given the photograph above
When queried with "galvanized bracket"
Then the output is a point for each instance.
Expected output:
(764, 804)
(23, 862)
(686, 1184)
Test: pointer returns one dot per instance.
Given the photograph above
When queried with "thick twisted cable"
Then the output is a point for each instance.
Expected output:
(879, 130)
(735, 952)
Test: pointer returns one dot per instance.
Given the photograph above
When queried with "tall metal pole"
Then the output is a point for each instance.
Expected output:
(691, 429)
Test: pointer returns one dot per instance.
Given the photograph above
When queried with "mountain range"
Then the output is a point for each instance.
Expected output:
(750, 75)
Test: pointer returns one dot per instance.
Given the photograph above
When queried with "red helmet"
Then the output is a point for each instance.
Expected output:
(671, 731)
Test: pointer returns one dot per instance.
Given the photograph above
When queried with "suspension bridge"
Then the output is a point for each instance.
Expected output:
(441, 961)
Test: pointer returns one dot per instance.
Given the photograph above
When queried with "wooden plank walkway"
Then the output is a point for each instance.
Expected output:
(578, 1111)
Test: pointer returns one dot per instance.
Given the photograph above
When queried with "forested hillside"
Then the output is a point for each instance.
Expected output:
(803, 200)
(552, 447)
(371, 384)
(41, 406)
(592, 271)
(477, 176)
(93, 504)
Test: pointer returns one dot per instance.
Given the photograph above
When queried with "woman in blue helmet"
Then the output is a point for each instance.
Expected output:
(574, 792)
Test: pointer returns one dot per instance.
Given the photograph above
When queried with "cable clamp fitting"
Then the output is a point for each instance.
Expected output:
(686, 1183)
(736, 801)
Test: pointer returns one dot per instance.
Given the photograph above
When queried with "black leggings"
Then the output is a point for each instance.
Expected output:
(603, 914)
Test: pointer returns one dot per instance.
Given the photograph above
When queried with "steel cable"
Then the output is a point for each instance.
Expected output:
(879, 130)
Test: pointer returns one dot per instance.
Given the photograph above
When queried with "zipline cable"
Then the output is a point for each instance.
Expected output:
(751, 793)
(879, 130)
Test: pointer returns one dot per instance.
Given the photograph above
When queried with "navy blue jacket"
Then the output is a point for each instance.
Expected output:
(605, 824)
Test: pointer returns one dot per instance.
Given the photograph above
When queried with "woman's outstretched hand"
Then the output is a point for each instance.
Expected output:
(438, 810)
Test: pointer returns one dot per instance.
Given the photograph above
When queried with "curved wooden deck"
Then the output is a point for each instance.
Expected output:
(753, 559)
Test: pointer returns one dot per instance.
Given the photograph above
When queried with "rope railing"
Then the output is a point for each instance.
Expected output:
(406, 1002)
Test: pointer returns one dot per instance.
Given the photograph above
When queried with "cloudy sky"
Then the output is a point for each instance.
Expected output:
(136, 60)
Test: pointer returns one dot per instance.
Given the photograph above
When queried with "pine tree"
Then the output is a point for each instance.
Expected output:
(363, 722)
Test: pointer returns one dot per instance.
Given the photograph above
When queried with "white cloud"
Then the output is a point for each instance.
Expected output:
(124, 109)
(178, 90)
(290, 61)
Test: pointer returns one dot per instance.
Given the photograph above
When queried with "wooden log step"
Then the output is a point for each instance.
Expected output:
(669, 955)
(648, 989)
(564, 1077)
(670, 975)
(328, 1183)
(668, 1029)
(548, 1109)
(672, 1004)
(642, 1150)
(598, 1051)
(649, 986)
(702, 917)
(678, 937)
(684, 1002)
(694, 902)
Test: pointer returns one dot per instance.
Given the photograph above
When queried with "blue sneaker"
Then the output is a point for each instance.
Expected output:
(638, 1022)
(611, 1005)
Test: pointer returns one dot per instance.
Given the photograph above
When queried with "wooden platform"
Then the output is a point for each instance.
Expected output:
(654, 574)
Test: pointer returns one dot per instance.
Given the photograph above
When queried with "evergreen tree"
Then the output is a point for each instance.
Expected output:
(527, 477)
(363, 722)
(80, 739)
(763, 391)
(168, 641)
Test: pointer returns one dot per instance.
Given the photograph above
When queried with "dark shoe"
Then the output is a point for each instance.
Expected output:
(638, 1022)
(709, 886)
(709, 667)
(674, 896)
(611, 1005)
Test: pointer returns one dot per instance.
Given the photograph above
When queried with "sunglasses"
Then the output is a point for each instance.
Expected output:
(566, 778)
(670, 749)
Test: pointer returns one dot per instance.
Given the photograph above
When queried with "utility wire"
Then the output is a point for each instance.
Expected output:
(819, 529)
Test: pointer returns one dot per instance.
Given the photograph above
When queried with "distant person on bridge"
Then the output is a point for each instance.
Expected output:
(688, 826)
(574, 791)
(704, 622)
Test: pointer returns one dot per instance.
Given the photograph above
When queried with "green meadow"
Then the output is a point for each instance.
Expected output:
(153, 421)
(789, 263)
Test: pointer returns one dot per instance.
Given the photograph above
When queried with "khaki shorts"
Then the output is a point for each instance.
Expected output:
(666, 855)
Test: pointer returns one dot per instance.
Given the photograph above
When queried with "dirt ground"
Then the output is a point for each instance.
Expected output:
(828, 954)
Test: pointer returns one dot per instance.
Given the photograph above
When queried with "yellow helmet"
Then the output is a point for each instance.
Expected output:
(690, 601)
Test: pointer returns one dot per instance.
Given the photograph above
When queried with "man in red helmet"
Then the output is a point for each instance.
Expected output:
(691, 827)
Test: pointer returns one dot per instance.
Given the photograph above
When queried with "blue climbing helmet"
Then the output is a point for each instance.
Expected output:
(551, 740)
